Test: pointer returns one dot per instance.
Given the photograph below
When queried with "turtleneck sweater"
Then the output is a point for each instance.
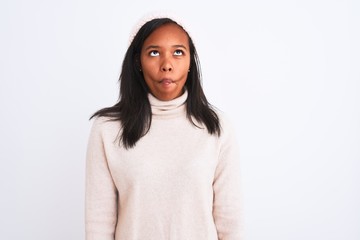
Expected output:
(178, 183)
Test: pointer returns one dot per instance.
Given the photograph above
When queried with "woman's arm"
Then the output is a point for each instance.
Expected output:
(227, 206)
(101, 193)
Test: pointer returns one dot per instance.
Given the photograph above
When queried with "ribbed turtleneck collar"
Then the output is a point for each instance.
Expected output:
(168, 108)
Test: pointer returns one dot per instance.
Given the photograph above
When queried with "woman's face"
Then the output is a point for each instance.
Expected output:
(165, 61)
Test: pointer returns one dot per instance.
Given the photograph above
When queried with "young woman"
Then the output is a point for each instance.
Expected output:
(162, 164)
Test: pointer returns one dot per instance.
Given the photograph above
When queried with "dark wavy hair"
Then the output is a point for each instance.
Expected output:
(133, 108)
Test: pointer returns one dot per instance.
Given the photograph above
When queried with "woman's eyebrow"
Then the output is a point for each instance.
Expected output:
(157, 47)
(179, 46)
(152, 46)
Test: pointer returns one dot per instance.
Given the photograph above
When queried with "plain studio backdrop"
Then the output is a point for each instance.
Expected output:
(287, 73)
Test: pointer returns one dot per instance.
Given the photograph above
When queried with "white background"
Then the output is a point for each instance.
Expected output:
(286, 72)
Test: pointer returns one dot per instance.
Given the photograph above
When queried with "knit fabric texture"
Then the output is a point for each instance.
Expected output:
(178, 182)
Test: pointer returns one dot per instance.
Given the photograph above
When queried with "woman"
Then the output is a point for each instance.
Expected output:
(162, 164)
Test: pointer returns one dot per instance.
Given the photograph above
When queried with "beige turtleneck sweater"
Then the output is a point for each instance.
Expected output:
(178, 182)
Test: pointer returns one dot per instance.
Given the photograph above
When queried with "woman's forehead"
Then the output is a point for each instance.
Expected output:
(168, 34)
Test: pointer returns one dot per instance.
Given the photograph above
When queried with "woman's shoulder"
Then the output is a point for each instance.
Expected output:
(226, 125)
(105, 124)
(224, 119)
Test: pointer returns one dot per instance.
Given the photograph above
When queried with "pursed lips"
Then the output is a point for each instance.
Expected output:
(166, 81)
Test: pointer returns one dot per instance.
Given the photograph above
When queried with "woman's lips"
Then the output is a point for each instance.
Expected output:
(166, 81)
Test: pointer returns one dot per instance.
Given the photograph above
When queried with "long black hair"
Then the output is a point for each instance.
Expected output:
(133, 108)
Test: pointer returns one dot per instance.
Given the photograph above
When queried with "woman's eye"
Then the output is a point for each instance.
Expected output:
(154, 53)
(178, 52)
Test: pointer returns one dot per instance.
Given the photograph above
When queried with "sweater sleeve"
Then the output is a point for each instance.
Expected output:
(227, 206)
(100, 193)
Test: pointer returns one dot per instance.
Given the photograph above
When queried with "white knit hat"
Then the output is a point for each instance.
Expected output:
(156, 14)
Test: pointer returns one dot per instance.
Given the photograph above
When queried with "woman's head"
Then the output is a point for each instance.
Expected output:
(161, 59)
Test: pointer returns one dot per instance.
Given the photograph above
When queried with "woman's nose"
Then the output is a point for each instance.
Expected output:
(166, 65)
(166, 68)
